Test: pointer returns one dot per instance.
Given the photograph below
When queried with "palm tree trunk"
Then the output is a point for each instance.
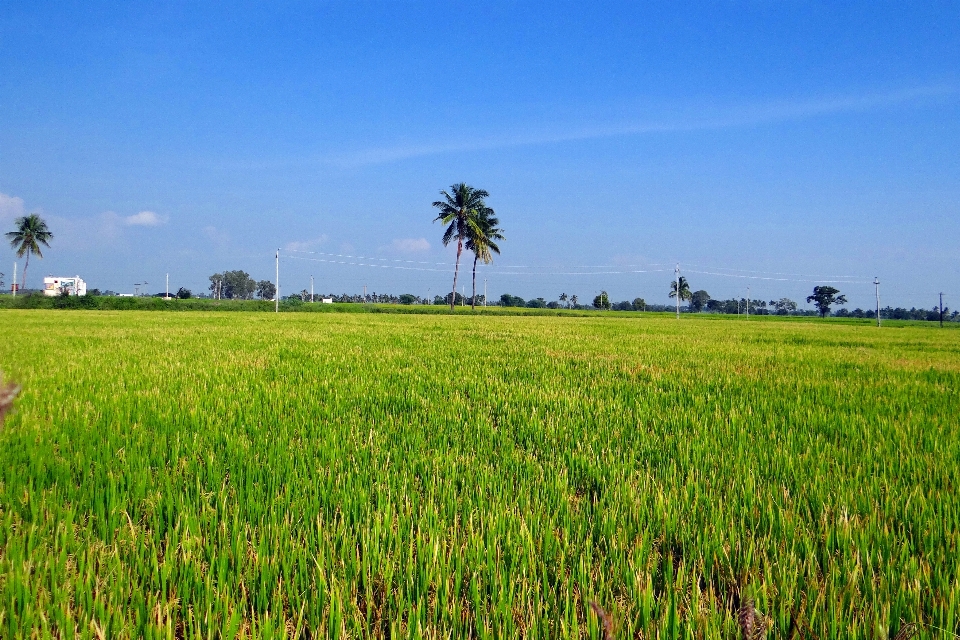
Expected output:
(456, 272)
(473, 300)
(23, 276)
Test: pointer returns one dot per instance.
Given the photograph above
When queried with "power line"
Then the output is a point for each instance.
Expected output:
(548, 271)
(344, 255)
(733, 275)
(778, 273)
(555, 274)
(451, 264)
(488, 271)
(377, 266)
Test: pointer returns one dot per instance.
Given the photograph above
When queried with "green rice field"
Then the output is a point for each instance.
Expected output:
(256, 475)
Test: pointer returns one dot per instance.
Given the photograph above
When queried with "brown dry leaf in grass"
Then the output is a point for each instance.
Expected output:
(752, 624)
(604, 620)
(8, 392)
(907, 631)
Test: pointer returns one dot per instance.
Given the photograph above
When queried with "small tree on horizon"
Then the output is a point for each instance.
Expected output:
(458, 210)
(602, 301)
(698, 300)
(31, 232)
(784, 306)
(824, 297)
(684, 289)
(481, 241)
(266, 290)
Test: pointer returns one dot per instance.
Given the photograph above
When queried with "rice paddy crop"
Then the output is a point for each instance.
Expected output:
(346, 475)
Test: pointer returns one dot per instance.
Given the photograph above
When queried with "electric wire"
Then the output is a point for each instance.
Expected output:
(546, 271)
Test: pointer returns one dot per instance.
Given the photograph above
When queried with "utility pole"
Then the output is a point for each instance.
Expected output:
(311, 288)
(168, 285)
(677, 271)
(276, 297)
(484, 292)
(364, 293)
(876, 283)
(941, 309)
(14, 280)
(748, 302)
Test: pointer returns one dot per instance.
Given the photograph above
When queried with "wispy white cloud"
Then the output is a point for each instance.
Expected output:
(693, 119)
(219, 238)
(306, 245)
(107, 225)
(103, 230)
(410, 245)
(10, 207)
(84, 233)
(145, 219)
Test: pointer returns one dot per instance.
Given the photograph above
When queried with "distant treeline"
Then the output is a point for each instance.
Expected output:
(107, 301)
(782, 307)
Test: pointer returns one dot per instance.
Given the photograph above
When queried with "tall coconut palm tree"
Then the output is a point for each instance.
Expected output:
(458, 210)
(684, 289)
(482, 242)
(31, 232)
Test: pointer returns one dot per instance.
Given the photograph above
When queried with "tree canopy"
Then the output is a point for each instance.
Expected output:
(266, 290)
(824, 297)
(684, 289)
(236, 285)
(458, 210)
(31, 232)
(482, 241)
(699, 300)
(601, 301)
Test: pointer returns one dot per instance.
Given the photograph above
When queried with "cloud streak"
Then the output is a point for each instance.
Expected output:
(145, 219)
(219, 238)
(410, 245)
(306, 245)
(11, 207)
(733, 116)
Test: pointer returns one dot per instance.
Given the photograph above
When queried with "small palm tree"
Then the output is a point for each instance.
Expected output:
(684, 289)
(31, 232)
(482, 241)
(458, 210)
(563, 297)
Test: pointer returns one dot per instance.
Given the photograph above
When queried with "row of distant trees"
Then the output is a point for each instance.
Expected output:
(703, 303)
(473, 226)
(238, 285)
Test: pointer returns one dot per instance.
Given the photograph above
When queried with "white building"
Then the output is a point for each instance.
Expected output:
(52, 286)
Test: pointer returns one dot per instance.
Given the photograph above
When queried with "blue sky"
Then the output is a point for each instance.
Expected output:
(757, 139)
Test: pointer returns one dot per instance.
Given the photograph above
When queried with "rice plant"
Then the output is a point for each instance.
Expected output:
(425, 476)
